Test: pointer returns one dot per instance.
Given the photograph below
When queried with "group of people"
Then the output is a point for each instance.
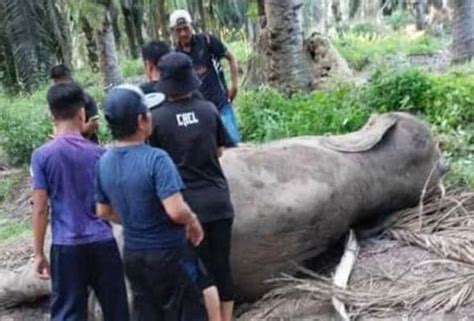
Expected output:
(161, 180)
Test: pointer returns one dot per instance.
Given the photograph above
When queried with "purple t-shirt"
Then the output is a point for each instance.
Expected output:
(66, 167)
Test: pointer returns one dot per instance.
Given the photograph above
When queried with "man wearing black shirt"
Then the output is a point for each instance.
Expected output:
(190, 129)
(62, 74)
(206, 52)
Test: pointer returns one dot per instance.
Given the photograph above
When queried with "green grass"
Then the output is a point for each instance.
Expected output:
(461, 172)
(131, 67)
(6, 187)
(10, 230)
(241, 49)
(24, 124)
(360, 50)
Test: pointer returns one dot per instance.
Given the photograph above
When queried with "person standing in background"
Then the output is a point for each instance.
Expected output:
(60, 74)
(206, 51)
(151, 54)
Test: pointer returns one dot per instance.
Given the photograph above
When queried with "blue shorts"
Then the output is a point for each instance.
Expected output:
(230, 123)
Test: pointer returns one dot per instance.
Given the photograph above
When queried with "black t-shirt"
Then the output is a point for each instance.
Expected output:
(206, 52)
(90, 107)
(149, 87)
(191, 130)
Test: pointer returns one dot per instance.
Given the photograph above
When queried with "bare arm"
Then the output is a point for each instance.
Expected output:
(234, 75)
(180, 213)
(106, 212)
(39, 221)
(178, 210)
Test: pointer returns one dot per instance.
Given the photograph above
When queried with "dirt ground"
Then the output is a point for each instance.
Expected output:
(376, 257)
(38, 311)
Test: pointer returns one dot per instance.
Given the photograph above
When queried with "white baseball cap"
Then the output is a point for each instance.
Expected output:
(180, 16)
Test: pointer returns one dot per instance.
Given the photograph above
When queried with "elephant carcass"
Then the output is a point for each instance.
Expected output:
(293, 197)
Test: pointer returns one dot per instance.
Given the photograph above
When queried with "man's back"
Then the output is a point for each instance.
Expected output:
(134, 179)
(65, 168)
(191, 131)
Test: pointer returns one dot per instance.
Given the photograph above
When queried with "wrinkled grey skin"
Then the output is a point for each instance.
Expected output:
(293, 197)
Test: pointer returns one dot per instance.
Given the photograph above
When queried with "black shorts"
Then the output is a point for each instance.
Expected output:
(215, 254)
(76, 267)
(165, 285)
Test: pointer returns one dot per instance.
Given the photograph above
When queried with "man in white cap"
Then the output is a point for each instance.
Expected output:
(206, 51)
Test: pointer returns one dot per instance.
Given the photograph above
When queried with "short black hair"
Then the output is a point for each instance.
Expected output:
(65, 100)
(59, 72)
(125, 128)
(154, 50)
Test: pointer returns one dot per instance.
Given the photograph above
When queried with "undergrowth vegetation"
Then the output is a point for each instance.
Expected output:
(365, 45)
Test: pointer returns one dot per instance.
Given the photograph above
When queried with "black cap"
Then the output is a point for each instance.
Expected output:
(177, 76)
(124, 102)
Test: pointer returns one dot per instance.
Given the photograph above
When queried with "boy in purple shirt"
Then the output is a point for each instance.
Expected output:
(83, 252)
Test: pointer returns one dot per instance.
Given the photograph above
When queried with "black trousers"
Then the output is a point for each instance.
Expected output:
(76, 267)
(214, 251)
(165, 285)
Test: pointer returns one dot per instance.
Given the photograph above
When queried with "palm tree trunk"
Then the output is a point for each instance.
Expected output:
(262, 19)
(114, 18)
(130, 31)
(108, 53)
(153, 27)
(137, 14)
(463, 31)
(287, 67)
(315, 16)
(58, 20)
(165, 35)
(91, 44)
(354, 8)
(202, 15)
(211, 21)
(421, 7)
(8, 73)
(368, 9)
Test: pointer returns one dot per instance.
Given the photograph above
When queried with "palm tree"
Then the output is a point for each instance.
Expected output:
(34, 36)
(109, 63)
(463, 30)
(421, 9)
(286, 65)
(161, 7)
(95, 19)
(133, 17)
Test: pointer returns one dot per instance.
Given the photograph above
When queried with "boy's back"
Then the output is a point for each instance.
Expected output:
(134, 179)
(140, 187)
(64, 167)
(83, 253)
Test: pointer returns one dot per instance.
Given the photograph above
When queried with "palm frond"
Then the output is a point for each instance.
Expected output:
(8, 74)
(21, 32)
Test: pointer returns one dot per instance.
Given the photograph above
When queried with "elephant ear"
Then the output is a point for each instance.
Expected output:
(364, 139)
